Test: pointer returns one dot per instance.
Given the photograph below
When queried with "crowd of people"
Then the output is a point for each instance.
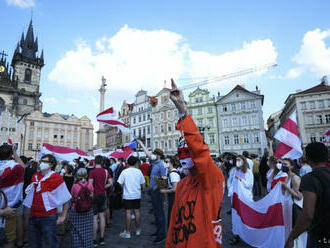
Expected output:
(42, 200)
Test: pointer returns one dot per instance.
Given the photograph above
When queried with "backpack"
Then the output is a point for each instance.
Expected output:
(84, 199)
(324, 230)
(177, 172)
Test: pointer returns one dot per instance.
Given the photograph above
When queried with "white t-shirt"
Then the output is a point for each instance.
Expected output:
(174, 177)
(131, 179)
(250, 163)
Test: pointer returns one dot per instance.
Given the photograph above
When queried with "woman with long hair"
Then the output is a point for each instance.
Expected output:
(244, 176)
(81, 222)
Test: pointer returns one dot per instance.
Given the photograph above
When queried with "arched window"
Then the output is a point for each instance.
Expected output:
(2, 105)
(25, 101)
(28, 74)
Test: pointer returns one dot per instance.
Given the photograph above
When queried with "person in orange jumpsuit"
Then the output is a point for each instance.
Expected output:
(196, 220)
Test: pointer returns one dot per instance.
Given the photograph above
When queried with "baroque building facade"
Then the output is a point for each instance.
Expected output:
(164, 119)
(313, 111)
(240, 121)
(57, 129)
(140, 118)
(124, 115)
(203, 109)
(20, 81)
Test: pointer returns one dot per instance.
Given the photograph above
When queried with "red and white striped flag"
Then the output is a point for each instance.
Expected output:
(11, 181)
(290, 146)
(326, 136)
(108, 117)
(262, 223)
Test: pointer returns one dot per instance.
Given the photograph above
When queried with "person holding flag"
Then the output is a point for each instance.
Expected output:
(196, 219)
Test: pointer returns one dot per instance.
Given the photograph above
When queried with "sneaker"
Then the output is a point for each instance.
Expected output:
(95, 243)
(101, 241)
(125, 235)
(159, 240)
(138, 232)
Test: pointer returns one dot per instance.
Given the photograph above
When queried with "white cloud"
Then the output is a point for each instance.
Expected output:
(313, 56)
(133, 59)
(22, 3)
(51, 100)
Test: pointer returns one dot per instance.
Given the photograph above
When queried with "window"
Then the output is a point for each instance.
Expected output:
(169, 127)
(328, 102)
(163, 144)
(200, 111)
(200, 122)
(39, 134)
(246, 139)
(30, 146)
(303, 106)
(140, 131)
(235, 123)
(162, 116)
(162, 128)
(169, 114)
(68, 136)
(31, 134)
(224, 108)
(319, 119)
(244, 120)
(233, 107)
(148, 129)
(156, 129)
(321, 104)
(148, 142)
(134, 131)
(190, 111)
(134, 120)
(226, 140)
(176, 112)
(144, 117)
(144, 131)
(156, 144)
(148, 116)
(75, 137)
(38, 146)
(211, 122)
(170, 144)
(254, 119)
(32, 123)
(139, 118)
(313, 138)
(211, 137)
(236, 141)
(25, 102)
(312, 105)
(256, 138)
(242, 105)
(310, 119)
(225, 122)
(327, 119)
(55, 136)
(209, 110)
(27, 75)
(253, 104)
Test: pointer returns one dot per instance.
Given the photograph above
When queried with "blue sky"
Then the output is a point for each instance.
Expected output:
(139, 44)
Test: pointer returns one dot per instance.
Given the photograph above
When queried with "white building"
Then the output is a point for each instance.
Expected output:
(140, 118)
(164, 119)
(240, 121)
(313, 111)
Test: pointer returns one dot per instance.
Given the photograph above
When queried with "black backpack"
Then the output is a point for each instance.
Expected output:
(84, 199)
(324, 230)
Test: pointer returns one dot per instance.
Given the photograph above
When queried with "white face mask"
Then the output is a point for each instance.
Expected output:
(279, 166)
(44, 166)
(231, 161)
(153, 157)
(239, 164)
(187, 163)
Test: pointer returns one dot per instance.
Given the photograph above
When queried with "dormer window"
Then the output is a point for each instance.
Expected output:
(27, 76)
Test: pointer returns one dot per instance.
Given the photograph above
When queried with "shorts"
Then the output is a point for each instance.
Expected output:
(10, 228)
(132, 204)
(99, 203)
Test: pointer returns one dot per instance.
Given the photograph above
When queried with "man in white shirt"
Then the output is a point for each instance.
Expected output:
(248, 160)
(132, 181)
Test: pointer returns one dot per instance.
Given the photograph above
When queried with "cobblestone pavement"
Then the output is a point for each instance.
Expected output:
(112, 239)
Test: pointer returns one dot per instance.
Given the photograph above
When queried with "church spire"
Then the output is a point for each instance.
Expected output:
(30, 46)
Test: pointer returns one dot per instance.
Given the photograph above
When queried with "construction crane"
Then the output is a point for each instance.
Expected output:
(229, 76)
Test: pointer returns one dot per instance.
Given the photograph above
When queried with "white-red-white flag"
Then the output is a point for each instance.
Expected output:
(326, 136)
(288, 135)
(108, 117)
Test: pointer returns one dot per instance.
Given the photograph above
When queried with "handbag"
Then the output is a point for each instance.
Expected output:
(3, 237)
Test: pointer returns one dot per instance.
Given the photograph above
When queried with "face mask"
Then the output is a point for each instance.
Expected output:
(187, 163)
(279, 166)
(285, 168)
(44, 166)
(239, 164)
(153, 157)
(231, 161)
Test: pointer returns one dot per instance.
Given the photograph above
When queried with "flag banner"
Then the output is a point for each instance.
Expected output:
(265, 223)
(62, 153)
(326, 136)
(130, 146)
(98, 152)
(120, 154)
(290, 143)
(108, 118)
